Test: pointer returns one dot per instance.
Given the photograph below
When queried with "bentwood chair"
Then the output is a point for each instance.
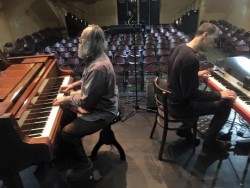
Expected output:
(163, 118)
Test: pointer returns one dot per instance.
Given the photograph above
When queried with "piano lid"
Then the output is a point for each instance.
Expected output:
(15, 78)
(238, 67)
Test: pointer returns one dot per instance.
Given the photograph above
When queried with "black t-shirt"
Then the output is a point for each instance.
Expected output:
(183, 79)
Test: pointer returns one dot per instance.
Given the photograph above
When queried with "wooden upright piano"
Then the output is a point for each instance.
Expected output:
(28, 122)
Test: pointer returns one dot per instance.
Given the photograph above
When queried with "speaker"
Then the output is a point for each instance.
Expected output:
(150, 96)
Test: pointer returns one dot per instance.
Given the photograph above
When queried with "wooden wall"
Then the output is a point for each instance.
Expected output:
(235, 12)
(21, 17)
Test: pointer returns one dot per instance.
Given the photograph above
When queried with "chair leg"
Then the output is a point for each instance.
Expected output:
(163, 141)
(95, 150)
(107, 137)
(194, 137)
(154, 126)
(120, 150)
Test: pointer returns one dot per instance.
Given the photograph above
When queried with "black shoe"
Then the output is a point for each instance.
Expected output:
(81, 172)
(218, 150)
(186, 133)
(219, 144)
(224, 144)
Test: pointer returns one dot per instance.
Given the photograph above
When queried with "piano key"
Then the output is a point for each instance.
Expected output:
(54, 110)
(34, 135)
(33, 131)
(48, 93)
(33, 110)
(31, 120)
(36, 125)
(40, 114)
(242, 102)
(42, 111)
(49, 100)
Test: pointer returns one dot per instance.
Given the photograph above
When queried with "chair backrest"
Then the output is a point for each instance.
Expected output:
(161, 96)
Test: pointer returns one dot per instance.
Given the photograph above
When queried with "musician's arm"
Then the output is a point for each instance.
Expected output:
(93, 88)
(77, 83)
(189, 81)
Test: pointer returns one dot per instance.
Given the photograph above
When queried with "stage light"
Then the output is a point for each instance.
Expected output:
(132, 1)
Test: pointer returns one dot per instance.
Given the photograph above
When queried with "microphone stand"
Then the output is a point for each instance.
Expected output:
(136, 105)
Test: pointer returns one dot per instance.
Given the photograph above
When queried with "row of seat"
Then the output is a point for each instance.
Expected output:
(149, 51)
(34, 43)
(233, 40)
(159, 42)
(156, 38)
(150, 58)
(150, 67)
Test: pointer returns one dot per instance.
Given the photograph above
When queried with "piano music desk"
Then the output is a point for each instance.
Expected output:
(34, 60)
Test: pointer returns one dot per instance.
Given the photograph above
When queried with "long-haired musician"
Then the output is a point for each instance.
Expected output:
(96, 103)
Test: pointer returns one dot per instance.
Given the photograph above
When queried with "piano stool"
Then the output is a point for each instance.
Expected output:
(107, 137)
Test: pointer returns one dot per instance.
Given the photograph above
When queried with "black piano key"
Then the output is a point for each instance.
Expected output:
(37, 115)
(34, 125)
(48, 95)
(244, 98)
(40, 106)
(34, 135)
(53, 83)
(39, 112)
(41, 109)
(33, 132)
(45, 101)
(229, 86)
(52, 89)
(39, 119)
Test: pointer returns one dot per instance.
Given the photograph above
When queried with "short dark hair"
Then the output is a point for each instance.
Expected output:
(206, 27)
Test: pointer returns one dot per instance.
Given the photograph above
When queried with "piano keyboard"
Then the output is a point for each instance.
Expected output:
(38, 119)
(224, 81)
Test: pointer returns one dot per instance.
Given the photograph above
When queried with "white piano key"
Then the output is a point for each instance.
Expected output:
(233, 81)
(54, 111)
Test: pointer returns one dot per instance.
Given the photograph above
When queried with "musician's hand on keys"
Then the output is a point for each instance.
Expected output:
(58, 101)
(228, 94)
(204, 73)
(66, 89)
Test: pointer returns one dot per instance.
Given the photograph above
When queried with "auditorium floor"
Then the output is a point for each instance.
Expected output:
(142, 169)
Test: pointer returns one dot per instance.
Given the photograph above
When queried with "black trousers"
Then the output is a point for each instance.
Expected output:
(220, 109)
(74, 129)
